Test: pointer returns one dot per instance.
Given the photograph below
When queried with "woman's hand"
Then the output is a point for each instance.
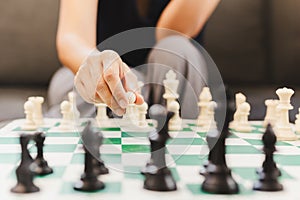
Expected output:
(105, 78)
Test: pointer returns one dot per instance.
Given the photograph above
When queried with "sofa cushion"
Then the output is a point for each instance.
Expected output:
(28, 53)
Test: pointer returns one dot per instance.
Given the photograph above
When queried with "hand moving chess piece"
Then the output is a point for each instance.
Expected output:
(42, 165)
(268, 175)
(157, 175)
(217, 175)
(24, 173)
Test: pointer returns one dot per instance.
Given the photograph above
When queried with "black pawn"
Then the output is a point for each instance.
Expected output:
(269, 173)
(42, 165)
(24, 173)
(89, 179)
(92, 140)
(218, 178)
(157, 175)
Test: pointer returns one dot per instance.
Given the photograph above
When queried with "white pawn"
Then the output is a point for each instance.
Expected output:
(101, 112)
(204, 100)
(66, 122)
(297, 122)
(29, 124)
(239, 99)
(271, 114)
(175, 123)
(75, 114)
(130, 118)
(37, 113)
(102, 118)
(243, 124)
(142, 110)
(211, 123)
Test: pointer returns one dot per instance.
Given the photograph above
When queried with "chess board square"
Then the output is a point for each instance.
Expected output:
(135, 140)
(245, 160)
(189, 160)
(188, 149)
(110, 129)
(135, 148)
(235, 141)
(61, 159)
(63, 134)
(188, 134)
(190, 174)
(287, 150)
(135, 134)
(135, 159)
(133, 172)
(61, 140)
(9, 158)
(249, 136)
(249, 173)
(111, 149)
(6, 170)
(111, 134)
(10, 148)
(9, 140)
(112, 141)
(240, 149)
(284, 160)
(186, 141)
(292, 170)
(56, 148)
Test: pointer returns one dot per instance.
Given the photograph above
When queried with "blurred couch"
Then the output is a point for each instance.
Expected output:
(255, 44)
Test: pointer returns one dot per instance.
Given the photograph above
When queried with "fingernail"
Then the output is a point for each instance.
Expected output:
(123, 103)
(119, 112)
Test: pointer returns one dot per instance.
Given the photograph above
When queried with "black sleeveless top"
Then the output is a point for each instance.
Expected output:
(115, 16)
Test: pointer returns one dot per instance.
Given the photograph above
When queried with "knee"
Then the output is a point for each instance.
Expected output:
(177, 47)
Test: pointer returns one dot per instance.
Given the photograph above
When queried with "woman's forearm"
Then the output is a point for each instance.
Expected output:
(187, 17)
(72, 51)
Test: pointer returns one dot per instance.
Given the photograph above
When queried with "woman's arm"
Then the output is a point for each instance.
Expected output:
(76, 35)
(185, 16)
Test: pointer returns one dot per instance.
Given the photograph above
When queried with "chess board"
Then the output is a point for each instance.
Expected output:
(125, 153)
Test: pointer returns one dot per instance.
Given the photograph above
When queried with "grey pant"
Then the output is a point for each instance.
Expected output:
(173, 52)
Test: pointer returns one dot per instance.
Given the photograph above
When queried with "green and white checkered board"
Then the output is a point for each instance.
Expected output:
(125, 153)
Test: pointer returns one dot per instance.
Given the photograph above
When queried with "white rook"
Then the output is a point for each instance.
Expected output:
(283, 129)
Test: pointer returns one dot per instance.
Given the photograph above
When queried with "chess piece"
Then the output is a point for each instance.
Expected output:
(271, 115)
(92, 141)
(142, 110)
(239, 99)
(218, 178)
(283, 129)
(75, 114)
(24, 173)
(243, 125)
(175, 123)
(268, 175)
(89, 179)
(205, 98)
(102, 118)
(171, 85)
(42, 165)
(158, 177)
(29, 124)
(130, 116)
(37, 113)
(211, 123)
(297, 122)
(65, 123)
